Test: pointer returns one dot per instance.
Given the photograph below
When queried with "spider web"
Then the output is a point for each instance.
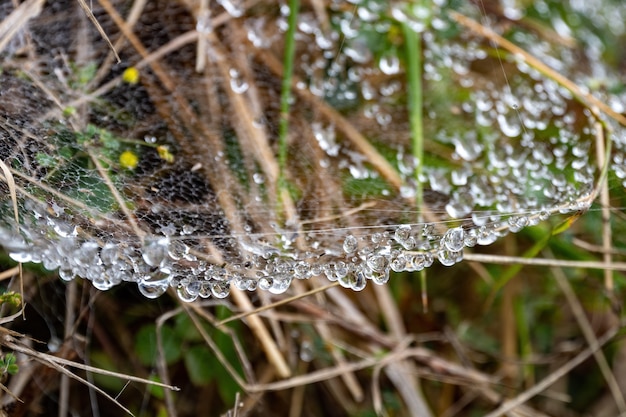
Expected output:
(164, 170)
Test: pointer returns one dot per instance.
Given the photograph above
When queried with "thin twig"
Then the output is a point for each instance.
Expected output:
(258, 328)
(590, 337)
(544, 384)
(274, 305)
(506, 260)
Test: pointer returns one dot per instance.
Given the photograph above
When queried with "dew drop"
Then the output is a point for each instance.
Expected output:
(389, 64)
(449, 258)
(402, 233)
(233, 7)
(358, 281)
(177, 250)
(379, 278)
(453, 240)
(306, 351)
(517, 223)
(87, 253)
(220, 289)
(189, 292)
(302, 270)
(155, 250)
(280, 284)
(377, 263)
(237, 83)
(66, 274)
(152, 289)
(350, 244)
(258, 178)
(204, 24)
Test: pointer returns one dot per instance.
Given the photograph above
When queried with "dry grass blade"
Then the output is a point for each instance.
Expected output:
(10, 181)
(53, 362)
(15, 22)
(590, 337)
(274, 355)
(276, 304)
(545, 383)
(563, 263)
(93, 19)
(11, 343)
(9, 273)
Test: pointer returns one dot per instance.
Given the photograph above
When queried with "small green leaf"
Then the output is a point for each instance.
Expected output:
(146, 345)
(566, 224)
(8, 364)
(200, 364)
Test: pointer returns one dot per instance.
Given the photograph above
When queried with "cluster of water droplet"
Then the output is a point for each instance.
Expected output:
(157, 263)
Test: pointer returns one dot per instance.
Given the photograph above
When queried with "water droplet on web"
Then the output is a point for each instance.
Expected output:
(220, 289)
(323, 41)
(188, 292)
(235, 8)
(486, 236)
(402, 233)
(517, 223)
(453, 240)
(326, 138)
(306, 351)
(378, 278)
(389, 63)
(150, 139)
(280, 284)
(87, 254)
(350, 244)
(66, 274)
(204, 24)
(237, 83)
(155, 250)
(377, 263)
(302, 270)
(62, 228)
(100, 280)
(468, 147)
(22, 257)
(177, 250)
(358, 51)
(398, 263)
(109, 254)
(449, 258)
(258, 178)
(509, 125)
(153, 286)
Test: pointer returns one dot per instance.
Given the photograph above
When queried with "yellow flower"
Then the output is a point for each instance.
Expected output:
(131, 75)
(165, 154)
(129, 160)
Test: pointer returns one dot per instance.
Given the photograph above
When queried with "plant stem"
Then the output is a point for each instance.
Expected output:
(413, 51)
(285, 95)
